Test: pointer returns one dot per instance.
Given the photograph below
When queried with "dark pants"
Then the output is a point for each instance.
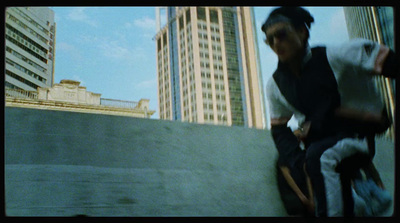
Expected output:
(313, 167)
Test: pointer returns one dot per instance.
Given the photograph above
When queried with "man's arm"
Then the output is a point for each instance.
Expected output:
(365, 56)
(308, 202)
(286, 143)
(280, 113)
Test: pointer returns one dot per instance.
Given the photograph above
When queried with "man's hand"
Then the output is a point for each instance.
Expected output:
(302, 132)
(309, 204)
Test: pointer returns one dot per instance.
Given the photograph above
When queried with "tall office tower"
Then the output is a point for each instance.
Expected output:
(30, 47)
(207, 64)
(377, 24)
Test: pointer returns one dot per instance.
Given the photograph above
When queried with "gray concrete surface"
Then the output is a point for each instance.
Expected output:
(66, 164)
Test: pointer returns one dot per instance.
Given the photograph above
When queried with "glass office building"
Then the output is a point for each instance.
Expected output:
(207, 65)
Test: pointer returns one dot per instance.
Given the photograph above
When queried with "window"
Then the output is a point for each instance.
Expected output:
(214, 16)
(201, 13)
(181, 22)
(187, 16)
(165, 39)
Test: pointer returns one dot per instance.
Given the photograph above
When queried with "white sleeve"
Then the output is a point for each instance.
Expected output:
(277, 104)
(352, 64)
(360, 55)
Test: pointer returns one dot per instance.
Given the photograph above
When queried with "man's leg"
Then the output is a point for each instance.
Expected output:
(313, 168)
(333, 181)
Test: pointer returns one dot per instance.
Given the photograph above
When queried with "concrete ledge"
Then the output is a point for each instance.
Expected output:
(95, 191)
(67, 163)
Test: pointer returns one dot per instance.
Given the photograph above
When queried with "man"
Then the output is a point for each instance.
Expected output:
(316, 86)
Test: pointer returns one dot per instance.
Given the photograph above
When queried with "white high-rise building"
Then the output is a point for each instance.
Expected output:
(30, 48)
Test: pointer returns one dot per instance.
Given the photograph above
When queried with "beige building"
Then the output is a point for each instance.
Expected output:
(68, 95)
(207, 66)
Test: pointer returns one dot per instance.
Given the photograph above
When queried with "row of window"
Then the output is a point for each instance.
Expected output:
(217, 86)
(26, 40)
(201, 14)
(26, 60)
(34, 23)
(205, 55)
(26, 49)
(210, 117)
(25, 45)
(216, 76)
(31, 31)
(205, 36)
(204, 27)
(209, 106)
(220, 96)
(24, 70)
(207, 65)
(11, 86)
(187, 19)
(21, 79)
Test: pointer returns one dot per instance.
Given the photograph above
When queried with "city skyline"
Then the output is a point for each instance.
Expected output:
(111, 50)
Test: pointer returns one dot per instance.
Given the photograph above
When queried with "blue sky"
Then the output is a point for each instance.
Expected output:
(111, 50)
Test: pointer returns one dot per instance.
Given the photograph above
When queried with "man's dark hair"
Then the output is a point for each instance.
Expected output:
(297, 16)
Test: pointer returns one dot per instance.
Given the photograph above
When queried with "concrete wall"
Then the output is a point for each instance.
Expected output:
(66, 163)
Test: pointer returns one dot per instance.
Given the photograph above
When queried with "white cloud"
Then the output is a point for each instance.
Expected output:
(147, 84)
(78, 14)
(128, 25)
(122, 52)
(114, 50)
(145, 23)
(66, 48)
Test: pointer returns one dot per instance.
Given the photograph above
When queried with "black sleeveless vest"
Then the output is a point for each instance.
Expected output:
(314, 93)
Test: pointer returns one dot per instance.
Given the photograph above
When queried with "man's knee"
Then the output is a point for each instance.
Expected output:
(329, 161)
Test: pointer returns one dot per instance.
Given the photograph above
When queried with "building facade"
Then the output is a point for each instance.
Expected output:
(376, 24)
(30, 48)
(207, 66)
(68, 95)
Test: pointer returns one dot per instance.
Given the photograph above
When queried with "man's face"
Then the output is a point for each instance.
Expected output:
(285, 41)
